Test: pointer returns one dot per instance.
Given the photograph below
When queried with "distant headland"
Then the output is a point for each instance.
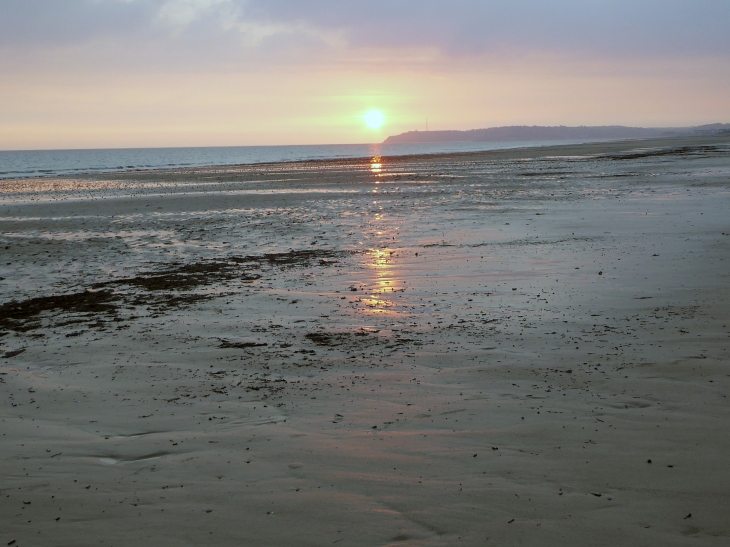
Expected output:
(542, 133)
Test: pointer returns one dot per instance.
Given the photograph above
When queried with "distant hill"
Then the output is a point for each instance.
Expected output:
(542, 133)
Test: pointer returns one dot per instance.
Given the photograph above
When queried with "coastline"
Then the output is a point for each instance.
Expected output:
(365, 151)
(471, 348)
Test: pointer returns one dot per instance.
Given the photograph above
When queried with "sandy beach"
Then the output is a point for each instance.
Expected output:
(517, 347)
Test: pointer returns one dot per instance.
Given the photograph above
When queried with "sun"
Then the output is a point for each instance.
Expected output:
(374, 119)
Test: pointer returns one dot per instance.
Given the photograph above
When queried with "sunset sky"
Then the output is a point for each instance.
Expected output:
(134, 73)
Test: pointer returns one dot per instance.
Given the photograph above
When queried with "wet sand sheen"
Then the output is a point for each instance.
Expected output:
(467, 349)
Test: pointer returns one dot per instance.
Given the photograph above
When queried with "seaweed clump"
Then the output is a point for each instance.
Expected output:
(185, 277)
(225, 344)
(293, 258)
(169, 286)
(681, 151)
(24, 316)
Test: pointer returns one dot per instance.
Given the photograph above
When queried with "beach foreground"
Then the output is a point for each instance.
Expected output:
(524, 347)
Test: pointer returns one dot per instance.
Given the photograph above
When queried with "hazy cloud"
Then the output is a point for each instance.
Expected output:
(180, 13)
(607, 27)
(39, 23)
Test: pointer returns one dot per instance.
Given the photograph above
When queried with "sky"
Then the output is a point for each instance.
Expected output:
(140, 73)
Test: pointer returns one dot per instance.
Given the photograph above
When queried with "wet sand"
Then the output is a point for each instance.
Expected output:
(521, 347)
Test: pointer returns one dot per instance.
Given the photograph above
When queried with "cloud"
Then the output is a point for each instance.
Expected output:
(180, 13)
(618, 28)
(47, 23)
(476, 26)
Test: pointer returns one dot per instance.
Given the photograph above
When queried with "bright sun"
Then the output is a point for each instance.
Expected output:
(374, 119)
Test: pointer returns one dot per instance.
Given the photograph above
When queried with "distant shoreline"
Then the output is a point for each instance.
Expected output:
(538, 133)
(519, 150)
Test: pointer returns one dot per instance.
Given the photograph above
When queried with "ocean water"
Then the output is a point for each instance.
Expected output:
(49, 163)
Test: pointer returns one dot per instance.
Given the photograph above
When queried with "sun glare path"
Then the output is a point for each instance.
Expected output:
(376, 165)
(381, 300)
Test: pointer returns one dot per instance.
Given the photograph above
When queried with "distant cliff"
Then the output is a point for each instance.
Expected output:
(541, 133)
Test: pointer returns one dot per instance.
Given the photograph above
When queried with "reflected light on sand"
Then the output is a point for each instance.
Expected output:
(385, 284)
(376, 165)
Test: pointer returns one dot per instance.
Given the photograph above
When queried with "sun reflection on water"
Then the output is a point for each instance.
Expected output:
(376, 165)
(385, 285)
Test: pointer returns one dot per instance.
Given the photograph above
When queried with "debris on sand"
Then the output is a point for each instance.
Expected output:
(241, 345)
(185, 277)
(24, 316)
(167, 284)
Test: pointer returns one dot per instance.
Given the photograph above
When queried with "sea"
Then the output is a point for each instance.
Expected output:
(54, 163)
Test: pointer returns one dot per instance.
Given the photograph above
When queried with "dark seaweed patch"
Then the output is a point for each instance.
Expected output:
(546, 174)
(293, 258)
(682, 151)
(21, 316)
(158, 303)
(320, 338)
(185, 277)
(344, 339)
(241, 345)
(163, 288)
(179, 277)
